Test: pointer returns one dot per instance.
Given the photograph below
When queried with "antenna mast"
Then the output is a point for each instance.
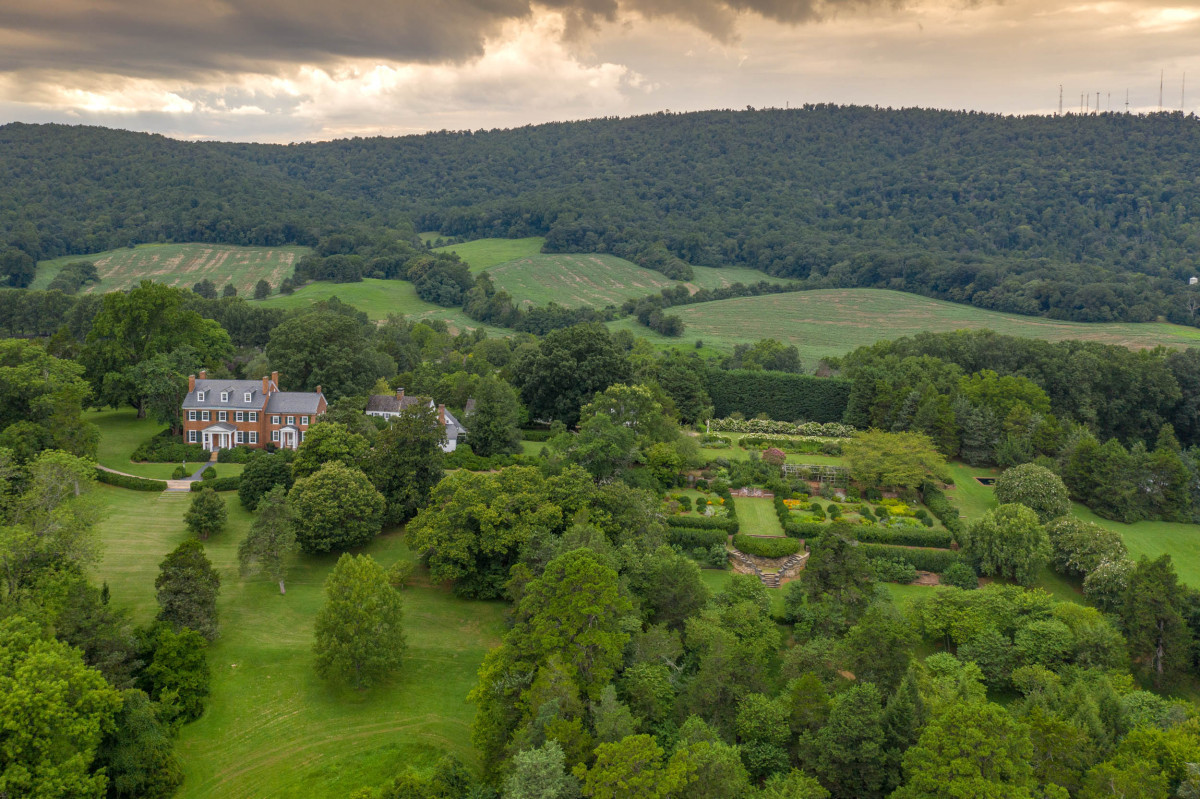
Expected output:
(1127, 101)
(1160, 85)
(1060, 99)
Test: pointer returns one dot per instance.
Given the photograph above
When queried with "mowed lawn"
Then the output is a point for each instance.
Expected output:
(380, 298)
(483, 254)
(182, 265)
(271, 727)
(836, 321)
(757, 516)
(591, 281)
(121, 432)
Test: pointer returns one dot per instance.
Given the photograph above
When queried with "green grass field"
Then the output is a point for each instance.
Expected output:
(271, 727)
(1151, 539)
(120, 434)
(836, 321)
(378, 298)
(757, 516)
(483, 254)
(182, 265)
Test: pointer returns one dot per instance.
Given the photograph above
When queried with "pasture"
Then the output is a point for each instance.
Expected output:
(831, 322)
(271, 727)
(182, 265)
(483, 254)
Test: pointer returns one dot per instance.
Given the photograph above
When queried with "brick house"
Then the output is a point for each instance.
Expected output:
(219, 413)
(387, 406)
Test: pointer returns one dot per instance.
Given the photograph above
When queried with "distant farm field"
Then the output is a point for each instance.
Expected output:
(836, 321)
(483, 254)
(378, 298)
(182, 265)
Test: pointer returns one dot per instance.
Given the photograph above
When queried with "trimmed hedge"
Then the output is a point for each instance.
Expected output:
(132, 483)
(939, 505)
(217, 484)
(889, 570)
(780, 395)
(238, 454)
(930, 560)
(766, 547)
(690, 537)
(538, 436)
(727, 524)
(777, 428)
(904, 536)
(166, 448)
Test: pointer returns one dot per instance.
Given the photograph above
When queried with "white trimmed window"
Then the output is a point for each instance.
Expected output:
(248, 397)
(199, 396)
(253, 416)
(205, 416)
(239, 416)
(291, 420)
(241, 437)
(224, 396)
(274, 435)
(253, 437)
(222, 416)
(274, 420)
(303, 420)
(191, 416)
(192, 436)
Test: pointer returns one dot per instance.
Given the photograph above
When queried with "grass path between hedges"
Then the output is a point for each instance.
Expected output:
(271, 727)
(757, 517)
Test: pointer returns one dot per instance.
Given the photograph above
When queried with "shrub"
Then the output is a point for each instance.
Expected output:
(935, 499)
(260, 476)
(179, 473)
(1035, 487)
(685, 502)
(771, 427)
(711, 441)
(132, 483)
(1078, 547)
(961, 575)
(209, 473)
(217, 484)
(238, 454)
(690, 538)
(166, 448)
(930, 560)
(704, 522)
(538, 436)
(766, 547)
(894, 571)
(904, 536)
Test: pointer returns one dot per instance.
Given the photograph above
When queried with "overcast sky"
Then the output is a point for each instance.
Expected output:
(299, 70)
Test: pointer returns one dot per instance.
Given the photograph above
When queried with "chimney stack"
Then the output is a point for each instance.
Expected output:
(318, 389)
(275, 379)
(400, 395)
(191, 383)
(442, 415)
(203, 374)
(266, 387)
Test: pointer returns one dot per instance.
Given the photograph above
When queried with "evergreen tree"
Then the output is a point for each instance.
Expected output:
(262, 290)
(187, 587)
(492, 428)
(851, 759)
(406, 462)
(359, 633)
(1158, 635)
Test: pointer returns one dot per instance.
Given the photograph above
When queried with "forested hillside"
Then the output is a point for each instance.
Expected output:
(1085, 218)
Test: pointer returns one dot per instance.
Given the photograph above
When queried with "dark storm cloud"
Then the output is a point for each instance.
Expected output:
(162, 38)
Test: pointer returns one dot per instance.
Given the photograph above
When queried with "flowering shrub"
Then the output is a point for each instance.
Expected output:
(771, 427)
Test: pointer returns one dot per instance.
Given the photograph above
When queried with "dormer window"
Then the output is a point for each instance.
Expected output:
(248, 397)
(199, 396)
(224, 396)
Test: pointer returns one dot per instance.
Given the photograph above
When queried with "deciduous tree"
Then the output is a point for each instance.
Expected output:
(207, 514)
(406, 462)
(1035, 487)
(271, 540)
(359, 631)
(187, 587)
(336, 508)
(1009, 541)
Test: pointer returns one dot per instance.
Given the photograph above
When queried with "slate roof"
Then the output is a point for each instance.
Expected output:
(293, 402)
(220, 427)
(237, 389)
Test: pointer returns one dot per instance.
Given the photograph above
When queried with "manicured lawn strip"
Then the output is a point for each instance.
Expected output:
(972, 498)
(905, 595)
(272, 728)
(532, 447)
(182, 265)
(1151, 539)
(757, 516)
(121, 432)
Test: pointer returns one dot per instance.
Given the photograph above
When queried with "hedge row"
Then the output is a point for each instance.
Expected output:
(890, 570)
(464, 458)
(536, 435)
(766, 547)
(132, 483)
(903, 536)
(777, 428)
(939, 505)
(930, 560)
(164, 448)
(690, 537)
(779, 395)
(728, 524)
(218, 484)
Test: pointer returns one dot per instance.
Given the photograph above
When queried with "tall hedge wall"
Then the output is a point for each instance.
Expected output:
(779, 395)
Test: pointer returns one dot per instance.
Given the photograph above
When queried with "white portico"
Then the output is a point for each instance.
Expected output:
(218, 436)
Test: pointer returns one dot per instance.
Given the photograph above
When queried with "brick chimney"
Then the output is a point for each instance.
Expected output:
(400, 395)
(318, 389)
(275, 379)
(203, 374)
(266, 387)
(191, 383)
(442, 415)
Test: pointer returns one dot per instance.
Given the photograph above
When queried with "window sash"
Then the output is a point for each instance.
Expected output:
(239, 416)
(222, 416)
(274, 420)
(191, 416)
(192, 436)
(253, 437)
(291, 420)
(205, 416)
(248, 397)
(274, 435)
